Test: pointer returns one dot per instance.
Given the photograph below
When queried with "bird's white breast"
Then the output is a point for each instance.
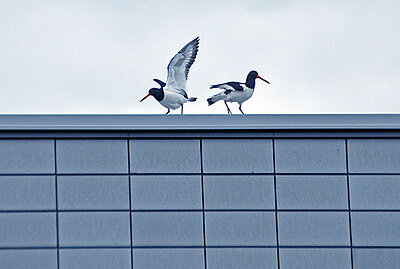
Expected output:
(172, 99)
(240, 96)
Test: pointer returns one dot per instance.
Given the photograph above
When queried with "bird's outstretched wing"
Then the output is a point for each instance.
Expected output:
(229, 86)
(178, 67)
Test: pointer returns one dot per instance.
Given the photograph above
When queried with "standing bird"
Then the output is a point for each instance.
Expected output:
(172, 94)
(235, 91)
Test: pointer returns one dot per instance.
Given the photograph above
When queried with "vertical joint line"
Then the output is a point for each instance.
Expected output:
(348, 202)
(56, 197)
(202, 204)
(276, 204)
(130, 203)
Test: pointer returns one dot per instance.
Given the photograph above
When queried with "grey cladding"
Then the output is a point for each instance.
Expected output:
(240, 229)
(27, 193)
(165, 156)
(92, 156)
(166, 192)
(167, 229)
(237, 155)
(95, 258)
(310, 156)
(241, 258)
(168, 258)
(315, 258)
(313, 229)
(200, 191)
(93, 192)
(99, 229)
(239, 192)
(26, 156)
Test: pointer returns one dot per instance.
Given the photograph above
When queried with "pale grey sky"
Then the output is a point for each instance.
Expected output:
(101, 56)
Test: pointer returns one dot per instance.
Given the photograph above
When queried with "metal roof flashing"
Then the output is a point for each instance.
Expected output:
(40, 122)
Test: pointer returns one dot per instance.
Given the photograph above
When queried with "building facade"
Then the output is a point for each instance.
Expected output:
(200, 191)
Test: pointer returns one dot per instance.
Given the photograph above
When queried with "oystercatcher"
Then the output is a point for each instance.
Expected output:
(235, 91)
(172, 94)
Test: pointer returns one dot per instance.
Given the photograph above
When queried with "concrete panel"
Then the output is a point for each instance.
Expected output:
(168, 258)
(28, 258)
(26, 156)
(241, 258)
(312, 192)
(313, 228)
(94, 229)
(240, 229)
(165, 156)
(92, 156)
(27, 230)
(27, 193)
(239, 192)
(315, 258)
(237, 156)
(375, 192)
(376, 258)
(310, 156)
(167, 228)
(375, 228)
(166, 192)
(93, 192)
(95, 258)
(374, 155)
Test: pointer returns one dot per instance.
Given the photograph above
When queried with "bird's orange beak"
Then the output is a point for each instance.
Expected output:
(145, 97)
(263, 79)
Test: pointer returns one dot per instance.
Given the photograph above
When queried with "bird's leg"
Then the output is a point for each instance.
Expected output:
(167, 112)
(229, 110)
(182, 109)
(240, 108)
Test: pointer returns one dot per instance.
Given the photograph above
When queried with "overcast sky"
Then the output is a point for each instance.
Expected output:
(101, 56)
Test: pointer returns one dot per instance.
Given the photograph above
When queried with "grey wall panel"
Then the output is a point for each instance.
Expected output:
(28, 258)
(26, 156)
(374, 155)
(375, 192)
(241, 258)
(27, 193)
(168, 258)
(315, 258)
(237, 156)
(312, 192)
(166, 192)
(310, 155)
(95, 258)
(27, 230)
(92, 156)
(375, 228)
(240, 229)
(239, 192)
(94, 229)
(93, 192)
(167, 228)
(313, 228)
(165, 156)
(376, 258)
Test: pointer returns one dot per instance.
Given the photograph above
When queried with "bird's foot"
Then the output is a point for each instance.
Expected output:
(167, 112)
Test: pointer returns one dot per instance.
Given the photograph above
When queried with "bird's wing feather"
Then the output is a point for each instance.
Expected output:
(229, 86)
(178, 67)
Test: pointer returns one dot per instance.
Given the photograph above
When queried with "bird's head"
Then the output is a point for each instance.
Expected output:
(156, 93)
(253, 75)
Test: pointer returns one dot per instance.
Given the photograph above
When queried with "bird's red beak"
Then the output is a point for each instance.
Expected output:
(263, 79)
(145, 97)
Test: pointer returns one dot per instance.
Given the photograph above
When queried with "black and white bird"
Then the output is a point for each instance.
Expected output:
(172, 94)
(235, 91)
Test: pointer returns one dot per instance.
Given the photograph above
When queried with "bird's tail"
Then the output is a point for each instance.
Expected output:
(215, 98)
(192, 99)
